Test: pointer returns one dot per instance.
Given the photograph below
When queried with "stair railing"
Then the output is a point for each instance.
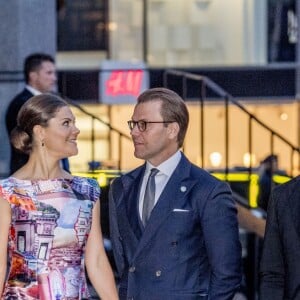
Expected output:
(206, 86)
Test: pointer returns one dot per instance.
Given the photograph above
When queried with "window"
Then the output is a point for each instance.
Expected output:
(81, 25)
(21, 241)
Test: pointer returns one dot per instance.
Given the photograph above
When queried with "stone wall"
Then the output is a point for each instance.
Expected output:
(27, 26)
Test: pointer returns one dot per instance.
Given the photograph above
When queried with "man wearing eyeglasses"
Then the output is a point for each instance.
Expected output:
(186, 246)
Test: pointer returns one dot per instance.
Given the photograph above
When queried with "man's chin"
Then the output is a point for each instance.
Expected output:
(139, 155)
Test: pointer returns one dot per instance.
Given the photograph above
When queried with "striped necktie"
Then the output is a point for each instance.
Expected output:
(149, 197)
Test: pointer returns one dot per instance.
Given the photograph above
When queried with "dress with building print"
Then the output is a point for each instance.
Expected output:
(51, 220)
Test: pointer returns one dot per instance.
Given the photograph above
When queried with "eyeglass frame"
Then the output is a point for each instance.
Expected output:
(132, 124)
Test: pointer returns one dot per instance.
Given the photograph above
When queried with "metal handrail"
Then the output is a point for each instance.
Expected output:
(208, 84)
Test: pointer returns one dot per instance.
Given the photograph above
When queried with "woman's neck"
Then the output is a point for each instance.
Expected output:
(36, 169)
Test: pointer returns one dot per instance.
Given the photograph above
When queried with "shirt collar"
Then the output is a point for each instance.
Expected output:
(32, 90)
(168, 166)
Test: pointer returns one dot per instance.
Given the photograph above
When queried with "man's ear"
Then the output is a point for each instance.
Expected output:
(173, 129)
(33, 76)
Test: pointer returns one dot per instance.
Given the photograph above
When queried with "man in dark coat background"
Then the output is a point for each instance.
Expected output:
(40, 77)
(280, 261)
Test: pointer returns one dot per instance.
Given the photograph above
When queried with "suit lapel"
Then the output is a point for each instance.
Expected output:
(172, 196)
(131, 184)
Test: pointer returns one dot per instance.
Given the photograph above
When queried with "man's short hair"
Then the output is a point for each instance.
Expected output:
(33, 63)
(173, 108)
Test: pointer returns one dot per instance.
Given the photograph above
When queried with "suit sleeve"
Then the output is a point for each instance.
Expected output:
(114, 228)
(221, 235)
(272, 263)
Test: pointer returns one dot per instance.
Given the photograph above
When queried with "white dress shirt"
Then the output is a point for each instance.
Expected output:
(166, 169)
(32, 90)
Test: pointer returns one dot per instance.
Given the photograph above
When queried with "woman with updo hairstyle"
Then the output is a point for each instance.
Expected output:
(50, 228)
(36, 112)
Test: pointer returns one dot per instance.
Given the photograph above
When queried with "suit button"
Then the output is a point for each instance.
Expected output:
(158, 273)
(132, 269)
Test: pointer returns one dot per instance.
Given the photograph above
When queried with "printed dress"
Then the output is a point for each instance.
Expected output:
(51, 220)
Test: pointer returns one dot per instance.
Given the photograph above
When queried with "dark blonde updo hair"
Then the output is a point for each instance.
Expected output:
(38, 110)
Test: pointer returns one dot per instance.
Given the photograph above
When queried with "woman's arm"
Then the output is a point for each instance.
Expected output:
(250, 222)
(5, 220)
(96, 261)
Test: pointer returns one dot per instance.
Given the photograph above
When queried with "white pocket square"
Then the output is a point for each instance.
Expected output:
(180, 210)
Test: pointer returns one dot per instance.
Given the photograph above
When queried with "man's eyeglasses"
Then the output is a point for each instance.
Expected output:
(142, 125)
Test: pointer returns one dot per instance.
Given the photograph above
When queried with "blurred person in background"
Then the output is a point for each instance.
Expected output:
(40, 77)
(267, 168)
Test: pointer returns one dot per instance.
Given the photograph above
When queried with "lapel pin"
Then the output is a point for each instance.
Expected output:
(183, 189)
